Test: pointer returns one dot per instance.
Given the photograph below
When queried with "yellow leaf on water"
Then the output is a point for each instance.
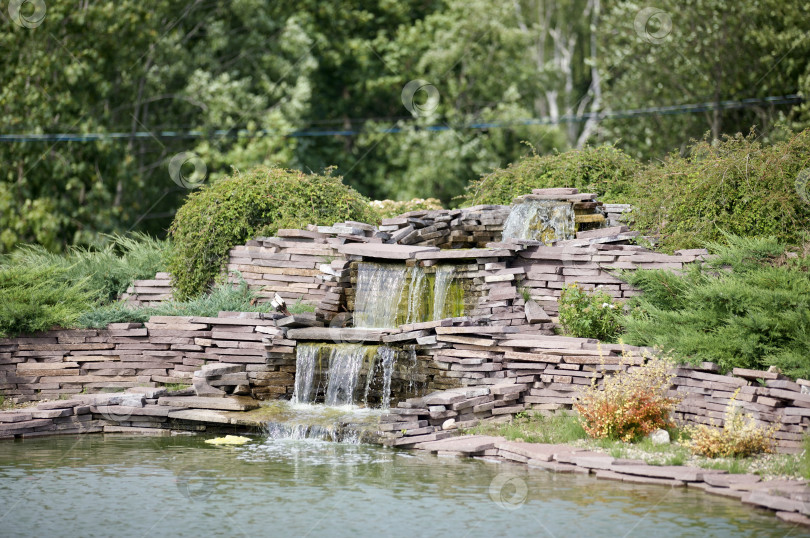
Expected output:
(228, 440)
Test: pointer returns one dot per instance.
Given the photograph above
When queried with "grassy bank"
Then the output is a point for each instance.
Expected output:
(564, 428)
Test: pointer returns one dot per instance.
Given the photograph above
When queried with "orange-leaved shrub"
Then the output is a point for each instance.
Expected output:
(740, 435)
(631, 404)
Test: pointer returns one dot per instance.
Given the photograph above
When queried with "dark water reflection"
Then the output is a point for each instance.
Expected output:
(119, 486)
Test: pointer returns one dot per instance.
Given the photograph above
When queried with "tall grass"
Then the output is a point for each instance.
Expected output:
(40, 290)
(107, 271)
(223, 297)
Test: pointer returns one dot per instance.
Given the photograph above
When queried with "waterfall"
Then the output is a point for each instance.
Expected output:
(542, 220)
(413, 361)
(444, 277)
(378, 294)
(387, 356)
(339, 367)
(345, 362)
(306, 356)
(417, 292)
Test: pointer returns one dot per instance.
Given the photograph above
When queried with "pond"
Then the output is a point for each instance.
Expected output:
(179, 486)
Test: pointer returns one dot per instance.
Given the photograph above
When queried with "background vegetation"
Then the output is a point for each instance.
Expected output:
(249, 78)
(40, 290)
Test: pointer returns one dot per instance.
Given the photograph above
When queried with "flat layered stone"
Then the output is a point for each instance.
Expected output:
(232, 403)
(603, 462)
(339, 335)
(159, 432)
(774, 502)
(557, 467)
(59, 404)
(766, 485)
(671, 472)
(14, 416)
(726, 480)
(123, 411)
(199, 415)
(534, 451)
(468, 444)
(219, 368)
(454, 254)
(612, 475)
(383, 250)
(793, 517)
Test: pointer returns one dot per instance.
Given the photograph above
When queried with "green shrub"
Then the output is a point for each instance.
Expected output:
(748, 308)
(605, 170)
(735, 185)
(107, 271)
(387, 209)
(589, 315)
(40, 290)
(36, 299)
(245, 205)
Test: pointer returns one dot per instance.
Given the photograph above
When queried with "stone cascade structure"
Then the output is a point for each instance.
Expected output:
(149, 292)
(492, 340)
(165, 350)
(139, 410)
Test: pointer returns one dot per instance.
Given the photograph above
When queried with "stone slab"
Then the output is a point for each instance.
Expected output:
(233, 403)
(383, 251)
(467, 444)
(199, 415)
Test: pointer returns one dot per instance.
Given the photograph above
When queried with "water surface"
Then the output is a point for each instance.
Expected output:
(179, 486)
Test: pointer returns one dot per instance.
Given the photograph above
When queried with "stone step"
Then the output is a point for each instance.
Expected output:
(232, 403)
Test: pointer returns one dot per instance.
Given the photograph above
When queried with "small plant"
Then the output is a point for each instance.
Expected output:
(589, 315)
(392, 208)
(632, 403)
(740, 435)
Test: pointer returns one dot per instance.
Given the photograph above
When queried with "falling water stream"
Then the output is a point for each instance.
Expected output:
(541, 220)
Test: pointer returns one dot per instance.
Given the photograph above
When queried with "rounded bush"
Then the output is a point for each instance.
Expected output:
(249, 204)
(732, 186)
(605, 170)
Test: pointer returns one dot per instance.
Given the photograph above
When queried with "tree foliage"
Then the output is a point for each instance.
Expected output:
(248, 77)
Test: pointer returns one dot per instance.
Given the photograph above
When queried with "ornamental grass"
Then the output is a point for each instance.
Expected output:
(631, 404)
